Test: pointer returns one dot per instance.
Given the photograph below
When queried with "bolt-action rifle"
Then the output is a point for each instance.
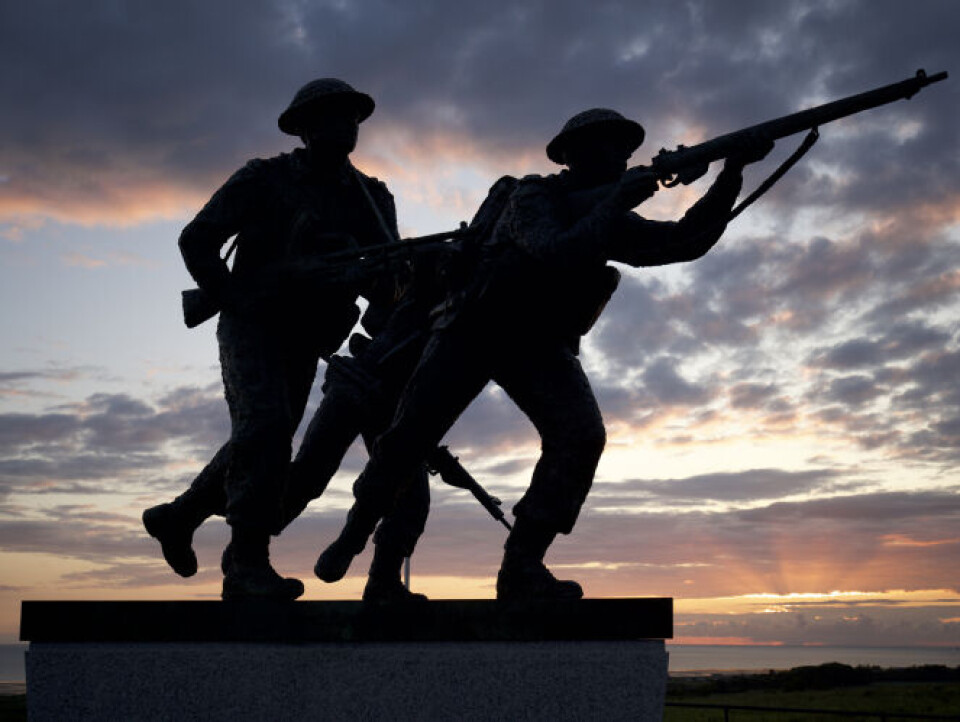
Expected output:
(672, 167)
(440, 461)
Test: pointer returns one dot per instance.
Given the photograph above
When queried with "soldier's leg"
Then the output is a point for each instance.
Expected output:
(334, 427)
(396, 538)
(173, 523)
(549, 386)
(451, 372)
(256, 376)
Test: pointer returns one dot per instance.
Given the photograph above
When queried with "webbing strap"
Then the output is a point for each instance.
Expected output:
(806, 145)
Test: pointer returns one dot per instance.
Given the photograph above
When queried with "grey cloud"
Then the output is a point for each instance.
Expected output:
(491, 423)
(94, 446)
(745, 486)
(902, 341)
(636, 324)
(669, 387)
(178, 93)
(860, 626)
(751, 395)
(727, 552)
(508, 467)
(66, 467)
(853, 390)
(875, 508)
(17, 377)
(18, 430)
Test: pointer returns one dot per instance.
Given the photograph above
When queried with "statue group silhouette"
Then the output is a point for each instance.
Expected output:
(506, 298)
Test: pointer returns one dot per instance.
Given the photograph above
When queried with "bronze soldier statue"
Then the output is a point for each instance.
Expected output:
(540, 283)
(359, 398)
(275, 324)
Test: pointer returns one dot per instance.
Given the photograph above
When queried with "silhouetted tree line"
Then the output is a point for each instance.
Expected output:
(823, 676)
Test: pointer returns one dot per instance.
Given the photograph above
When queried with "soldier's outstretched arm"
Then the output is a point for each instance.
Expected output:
(641, 242)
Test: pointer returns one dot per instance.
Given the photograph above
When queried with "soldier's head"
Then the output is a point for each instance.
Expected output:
(326, 114)
(596, 143)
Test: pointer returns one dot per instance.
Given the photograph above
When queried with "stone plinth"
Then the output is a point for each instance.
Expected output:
(456, 660)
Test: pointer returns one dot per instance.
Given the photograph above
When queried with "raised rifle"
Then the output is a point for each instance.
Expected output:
(682, 165)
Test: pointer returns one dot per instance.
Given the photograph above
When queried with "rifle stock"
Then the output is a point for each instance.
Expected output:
(198, 307)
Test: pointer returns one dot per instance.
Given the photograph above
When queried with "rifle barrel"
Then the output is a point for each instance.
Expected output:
(668, 163)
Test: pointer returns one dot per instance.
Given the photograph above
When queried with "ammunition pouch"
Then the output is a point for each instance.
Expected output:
(594, 296)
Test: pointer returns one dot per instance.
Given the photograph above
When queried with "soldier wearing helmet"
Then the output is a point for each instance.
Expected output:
(296, 205)
(542, 281)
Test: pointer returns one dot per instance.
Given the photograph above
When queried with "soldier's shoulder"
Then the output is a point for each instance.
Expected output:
(535, 182)
(373, 183)
(504, 181)
(531, 185)
(257, 168)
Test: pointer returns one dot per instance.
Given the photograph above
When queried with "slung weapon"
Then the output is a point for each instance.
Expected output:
(441, 461)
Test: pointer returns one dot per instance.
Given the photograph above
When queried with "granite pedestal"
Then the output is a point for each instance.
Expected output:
(443, 660)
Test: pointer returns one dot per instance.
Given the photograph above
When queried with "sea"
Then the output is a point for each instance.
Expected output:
(685, 659)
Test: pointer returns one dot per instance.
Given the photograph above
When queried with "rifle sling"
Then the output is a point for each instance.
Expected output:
(387, 233)
(806, 145)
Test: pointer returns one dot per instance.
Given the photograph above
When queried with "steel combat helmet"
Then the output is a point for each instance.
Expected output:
(316, 94)
(591, 122)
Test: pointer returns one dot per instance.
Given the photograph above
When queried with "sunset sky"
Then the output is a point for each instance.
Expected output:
(783, 414)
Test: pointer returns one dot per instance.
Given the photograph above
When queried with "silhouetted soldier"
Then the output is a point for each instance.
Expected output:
(541, 283)
(360, 397)
(274, 325)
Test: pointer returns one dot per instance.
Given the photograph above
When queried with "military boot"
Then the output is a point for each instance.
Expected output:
(383, 583)
(335, 560)
(523, 574)
(248, 571)
(173, 526)
(533, 580)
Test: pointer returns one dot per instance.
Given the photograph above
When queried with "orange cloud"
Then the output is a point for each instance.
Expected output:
(900, 540)
(115, 201)
(679, 639)
(82, 261)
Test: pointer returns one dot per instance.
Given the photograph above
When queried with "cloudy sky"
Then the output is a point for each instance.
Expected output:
(783, 414)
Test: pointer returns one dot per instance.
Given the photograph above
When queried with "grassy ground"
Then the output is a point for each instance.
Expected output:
(13, 708)
(917, 690)
(888, 697)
